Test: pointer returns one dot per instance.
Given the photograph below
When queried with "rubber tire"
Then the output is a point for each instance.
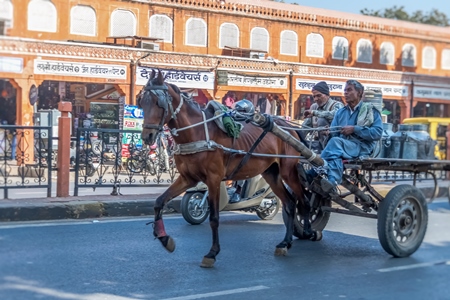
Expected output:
(185, 202)
(319, 223)
(386, 211)
(263, 216)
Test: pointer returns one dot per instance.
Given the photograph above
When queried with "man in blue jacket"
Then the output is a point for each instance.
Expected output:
(354, 132)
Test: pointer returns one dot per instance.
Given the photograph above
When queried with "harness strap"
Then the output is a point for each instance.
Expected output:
(247, 156)
(206, 129)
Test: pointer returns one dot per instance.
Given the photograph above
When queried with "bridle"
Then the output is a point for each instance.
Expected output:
(164, 102)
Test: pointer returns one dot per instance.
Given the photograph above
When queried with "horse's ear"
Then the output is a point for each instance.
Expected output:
(153, 74)
(160, 78)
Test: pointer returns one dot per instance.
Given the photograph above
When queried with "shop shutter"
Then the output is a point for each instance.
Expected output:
(429, 58)
(42, 16)
(387, 53)
(340, 48)
(364, 50)
(259, 39)
(6, 13)
(289, 42)
(314, 45)
(123, 23)
(445, 59)
(229, 35)
(196, 32)
(409, 55)
(161, 27)
(83, 20)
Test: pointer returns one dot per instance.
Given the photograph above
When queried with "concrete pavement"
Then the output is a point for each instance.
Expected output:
(98, 206)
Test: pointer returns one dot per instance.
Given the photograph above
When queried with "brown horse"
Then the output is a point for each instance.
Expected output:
(163, 103)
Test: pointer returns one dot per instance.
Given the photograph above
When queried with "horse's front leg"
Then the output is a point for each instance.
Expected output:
(213, 199)
(180, 185)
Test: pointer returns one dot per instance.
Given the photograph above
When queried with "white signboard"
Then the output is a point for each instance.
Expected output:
(431, 93)
(307, 85)
(66, 68)
(182, 79)
(255, 81)
(11, 64)
(338, 87)
(391, 90)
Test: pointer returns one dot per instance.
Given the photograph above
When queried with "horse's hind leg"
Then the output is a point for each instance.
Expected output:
(214, 199)
(180, 185)
(273, 178)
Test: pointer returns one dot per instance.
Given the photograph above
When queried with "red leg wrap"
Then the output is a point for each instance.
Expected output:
(159, 230)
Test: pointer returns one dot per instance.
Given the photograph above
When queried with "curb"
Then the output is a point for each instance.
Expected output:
(84, 210)
(88, 207)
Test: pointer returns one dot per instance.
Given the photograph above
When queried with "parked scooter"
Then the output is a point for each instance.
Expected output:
(256, 196)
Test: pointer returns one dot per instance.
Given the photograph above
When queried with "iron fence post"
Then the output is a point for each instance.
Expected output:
(49, 157)
(77, 161)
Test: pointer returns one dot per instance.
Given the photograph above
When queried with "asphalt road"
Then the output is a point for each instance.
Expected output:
(118, 259)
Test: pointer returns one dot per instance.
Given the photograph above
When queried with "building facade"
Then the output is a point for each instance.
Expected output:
(99, 54)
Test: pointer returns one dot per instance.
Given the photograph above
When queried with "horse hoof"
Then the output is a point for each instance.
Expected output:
(207, 262)
(316, 236)
(281, 251)
(168, 243)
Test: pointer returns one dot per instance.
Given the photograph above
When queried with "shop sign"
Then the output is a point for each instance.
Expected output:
(222, 77)
(133, 119)
(256, 81)
(431, 93)
(182, 79)
(307, 85)
(391, 90)
(338, 87)
(11, 64)
(65, 68)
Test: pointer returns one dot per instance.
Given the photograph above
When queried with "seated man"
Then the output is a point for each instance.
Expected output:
(320, 114)
(360, 127)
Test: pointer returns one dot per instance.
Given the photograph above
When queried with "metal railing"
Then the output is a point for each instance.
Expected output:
(117, 158)
(25, 158)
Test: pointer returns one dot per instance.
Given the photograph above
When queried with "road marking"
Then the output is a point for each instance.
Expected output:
(415, 266)
(220, 293)
(66, 222)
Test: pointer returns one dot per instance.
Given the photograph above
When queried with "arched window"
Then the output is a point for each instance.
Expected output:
(445, 63)
(387, 53)
(123, 23)
(83, 20)
(364, 50)
(259, 39)
(288, 42)
(409, 55)
(340, 48)
(42, 16)
(228, 35)
(314, 45)
(196, 32)
(161, 27)
(429, 58)
(6, 12)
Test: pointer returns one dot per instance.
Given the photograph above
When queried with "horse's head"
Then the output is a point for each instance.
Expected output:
(156, 100)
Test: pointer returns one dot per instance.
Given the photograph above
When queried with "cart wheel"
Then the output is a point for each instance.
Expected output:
(318, 219)
(448, 193)
(402, 220)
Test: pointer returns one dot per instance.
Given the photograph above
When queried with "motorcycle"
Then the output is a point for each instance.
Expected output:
(256, 196)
